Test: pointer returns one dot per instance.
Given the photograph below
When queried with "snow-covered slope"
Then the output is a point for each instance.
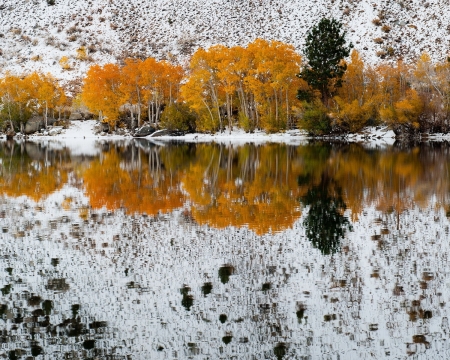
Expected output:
(35, 35)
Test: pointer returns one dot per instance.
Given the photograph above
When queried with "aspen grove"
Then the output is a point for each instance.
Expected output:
(251, 87)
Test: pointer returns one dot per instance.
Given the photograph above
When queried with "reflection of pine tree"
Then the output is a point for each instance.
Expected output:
(325, 224)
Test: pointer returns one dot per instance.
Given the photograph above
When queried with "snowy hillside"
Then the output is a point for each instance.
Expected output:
(35, 35)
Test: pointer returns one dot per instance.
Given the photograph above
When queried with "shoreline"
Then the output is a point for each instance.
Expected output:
(81, 130)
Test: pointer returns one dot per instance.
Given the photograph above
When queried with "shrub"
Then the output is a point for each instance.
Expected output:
(352, 117)
(51, 40)
(50, 2)
(177, 116)
(64, 62)
(386, 28)
(381, 54)
(378, 40)
(72, 30)
(376, 22)
(314, 118)
(245, 123)
(81, 53)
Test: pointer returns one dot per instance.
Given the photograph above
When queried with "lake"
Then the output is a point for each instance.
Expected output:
(141, 250)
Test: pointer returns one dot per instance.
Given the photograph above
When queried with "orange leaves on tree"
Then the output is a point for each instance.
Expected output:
(258, 80)
(101, 92)
(108, 88)
(33, 93)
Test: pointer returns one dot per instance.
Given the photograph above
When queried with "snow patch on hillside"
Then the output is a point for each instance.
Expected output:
(35, 36)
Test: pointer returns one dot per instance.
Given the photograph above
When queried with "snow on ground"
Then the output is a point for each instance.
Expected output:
(81, 134)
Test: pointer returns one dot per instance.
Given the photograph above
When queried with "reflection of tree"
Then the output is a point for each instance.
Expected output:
(134, 180)
(252, 186)
(31, 170)
(325, 223)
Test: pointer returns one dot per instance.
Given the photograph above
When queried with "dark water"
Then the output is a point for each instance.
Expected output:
(136, 250)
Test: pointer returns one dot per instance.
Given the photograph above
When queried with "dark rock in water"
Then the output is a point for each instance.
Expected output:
(36, 123)
(145, 130)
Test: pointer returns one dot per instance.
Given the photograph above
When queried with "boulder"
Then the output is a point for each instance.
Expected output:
(36, 123)
(88, 116)
(76, 116)
(144, 131)
(55, 130)
(161, 133)
(104, 127)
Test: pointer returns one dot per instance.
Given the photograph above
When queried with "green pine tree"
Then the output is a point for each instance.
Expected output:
(324, 51)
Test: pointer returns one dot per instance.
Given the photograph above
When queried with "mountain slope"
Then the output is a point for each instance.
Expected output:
(35, 35)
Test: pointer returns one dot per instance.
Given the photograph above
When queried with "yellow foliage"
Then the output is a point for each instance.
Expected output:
(101, 92)
(64, 62)
(81, 53)
(405, 111)
(352, 116)
(259, 80)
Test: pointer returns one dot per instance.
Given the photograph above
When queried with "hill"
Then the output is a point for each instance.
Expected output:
(37, 35)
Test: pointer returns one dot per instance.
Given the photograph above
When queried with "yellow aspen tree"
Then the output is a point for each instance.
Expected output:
(101, 92)
(160, 83)
(354, 104)
(273, 82)
(131, 88)
(202, 89)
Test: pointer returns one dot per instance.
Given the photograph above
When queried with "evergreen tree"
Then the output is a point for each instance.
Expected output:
(325, 49)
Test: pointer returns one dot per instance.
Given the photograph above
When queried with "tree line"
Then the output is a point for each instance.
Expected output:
(23, 96)
(265, 85)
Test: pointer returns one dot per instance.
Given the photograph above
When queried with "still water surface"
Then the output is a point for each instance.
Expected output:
(137, 250)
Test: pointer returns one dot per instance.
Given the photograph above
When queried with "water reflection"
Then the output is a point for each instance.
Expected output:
(150, 251)
(325, 223)
(262, 187)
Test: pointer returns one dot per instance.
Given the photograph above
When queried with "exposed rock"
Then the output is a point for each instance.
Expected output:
(161, 133)
(76, 116)
(105, 127)
(55, 130)
(36, 123)
(145, 130)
